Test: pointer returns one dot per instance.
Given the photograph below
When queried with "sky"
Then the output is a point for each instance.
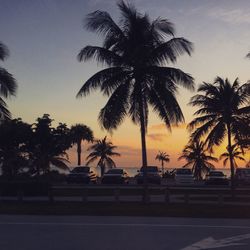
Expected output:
(45, 36)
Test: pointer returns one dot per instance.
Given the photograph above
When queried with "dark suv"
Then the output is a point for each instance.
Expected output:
(242, 176)
(115, 176)
(153, 175)
(81, 175)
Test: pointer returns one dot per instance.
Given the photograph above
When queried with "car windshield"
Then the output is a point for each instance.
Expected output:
(243, 171)
(115, 171)
(183, 171)
(149, 169)
(80, 170)
(216, 173)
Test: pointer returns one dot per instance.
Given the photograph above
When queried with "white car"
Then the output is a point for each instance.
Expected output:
(184, 176)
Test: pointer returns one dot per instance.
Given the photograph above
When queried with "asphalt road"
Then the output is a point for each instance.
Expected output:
(121, 233)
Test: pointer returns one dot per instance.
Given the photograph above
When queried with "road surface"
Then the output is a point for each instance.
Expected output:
(121, 233)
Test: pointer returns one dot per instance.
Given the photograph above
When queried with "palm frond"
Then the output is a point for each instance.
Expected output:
(8, 85)
(4, 52)
(100, 54)
(114, 112)
(4, 112)
(98, 79)
(170, 51)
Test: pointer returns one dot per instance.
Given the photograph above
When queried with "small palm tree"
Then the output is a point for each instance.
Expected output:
(102, 150)
(195, 153)
(80, 133)
(237, 153)
(136, 52)
(223, 108)
(8, 84)
(162, 157)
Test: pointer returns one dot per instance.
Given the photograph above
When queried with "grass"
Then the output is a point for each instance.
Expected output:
(124, 209)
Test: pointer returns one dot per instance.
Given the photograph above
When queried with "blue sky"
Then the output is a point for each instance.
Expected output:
(45, 36)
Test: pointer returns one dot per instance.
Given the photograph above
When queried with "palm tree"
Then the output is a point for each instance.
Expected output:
(222, 110)
(80, 133)
(8, 84)
(135, 52)
(236, 154)
(162, 157)
(195, 153)
(102, 150)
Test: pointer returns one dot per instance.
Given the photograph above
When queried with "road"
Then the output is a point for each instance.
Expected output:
(121, 233)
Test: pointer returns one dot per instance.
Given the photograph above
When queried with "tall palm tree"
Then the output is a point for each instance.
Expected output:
(237, 153)
(102, 150)
(135, 52)
(222, 110)
(197, 157)
(8, 84)
(162, 157)
(80, 133)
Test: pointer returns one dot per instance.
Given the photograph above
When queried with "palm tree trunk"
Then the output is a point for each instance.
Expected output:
(102, 169)
(143, 133)
(143, 140)
(162, 167)
(229, 149)
(144, 149)
(79, 151)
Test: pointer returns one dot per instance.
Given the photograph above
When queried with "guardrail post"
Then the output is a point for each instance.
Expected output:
(117, 195)
(20, 195)
(220, 199)
(145, 195)
(186, 197)
(167, 196)
(85, 195)
(51, 195)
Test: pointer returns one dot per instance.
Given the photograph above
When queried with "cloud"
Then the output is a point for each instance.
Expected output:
(162, 126)
(156, 136)
(234, 16)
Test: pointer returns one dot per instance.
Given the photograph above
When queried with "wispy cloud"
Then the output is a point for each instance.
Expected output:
(235, 16)
(156, 136)
(162, 126)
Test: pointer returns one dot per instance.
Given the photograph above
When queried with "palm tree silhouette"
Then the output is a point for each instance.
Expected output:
(80, 133)
(135, 53)
(162, 157)
(8, 84)
(222, 112)
(102, 150)
(237, 153)
(195, 153)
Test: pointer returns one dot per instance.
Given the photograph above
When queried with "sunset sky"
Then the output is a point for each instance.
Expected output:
(45, 36)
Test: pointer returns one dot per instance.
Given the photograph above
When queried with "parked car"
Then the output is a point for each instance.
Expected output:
(242, 176)
(153, 175)
(81, 175)
(216, 178)
(115, 176)
(184, 176)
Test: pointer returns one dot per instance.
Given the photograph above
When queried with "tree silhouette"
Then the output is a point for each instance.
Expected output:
(162, 157)
(135, 52)
(48, 146)
(237, 153)
(8, 84)
(14, 140)
(80, 133)
(197, 157)
(102, 150)
(223, 109)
